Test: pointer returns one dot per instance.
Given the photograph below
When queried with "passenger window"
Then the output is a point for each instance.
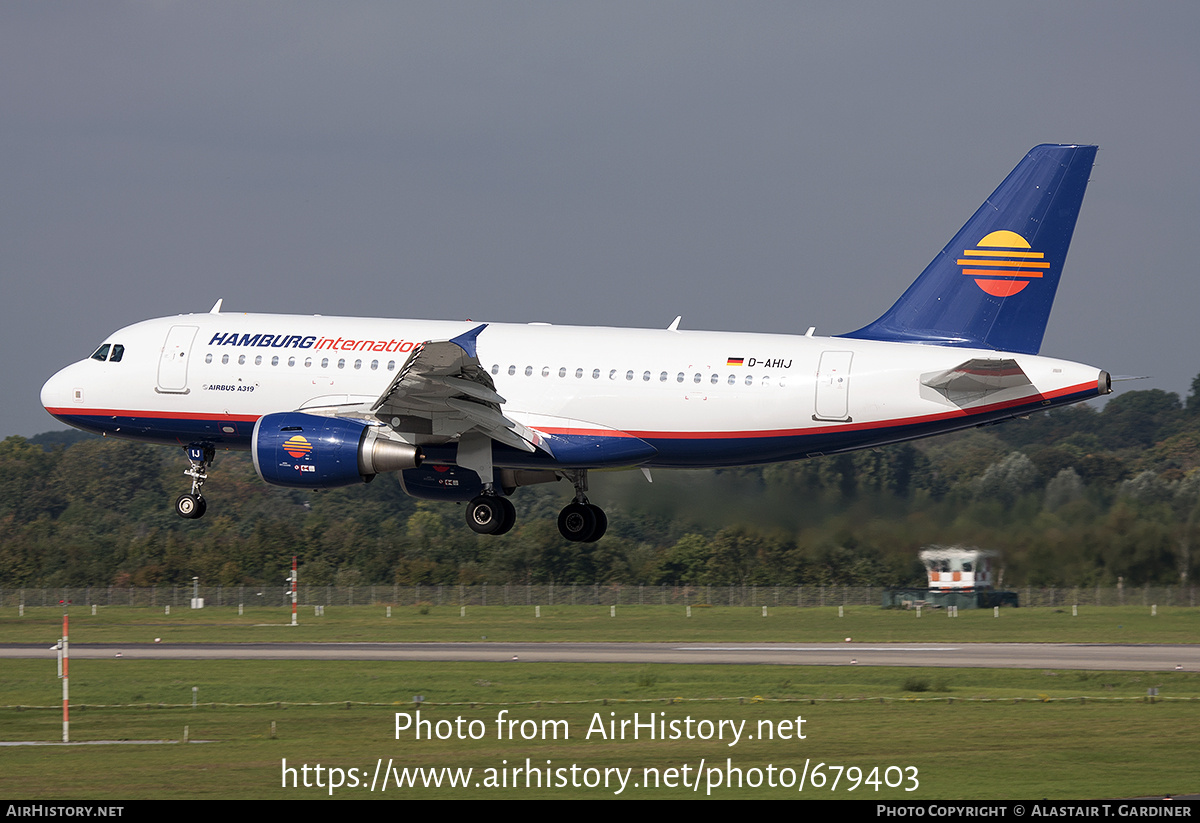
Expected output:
(645, 376)
(749, 380)
(629, 374)
(308, 362)
(529, 371)
(118, 351)
(275, 360)
(241, 359)
(324, 362)
(342, 363)
(208, 358)
(358, 364)
(662, 378)
(562, 372)
(578, 374)
(374, 365)
(101, 353)
(679, 378)
(716, 378)
(392, 365)
(258, 360)
(291, 361)
(224, 360)
(697, 378)
(595, 374)
(545, 371)
(612, 375)
(732, 379)
(495, 368)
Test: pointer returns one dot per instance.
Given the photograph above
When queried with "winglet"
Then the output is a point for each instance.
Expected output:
(466, 340)
(216, 309)
(675, 324)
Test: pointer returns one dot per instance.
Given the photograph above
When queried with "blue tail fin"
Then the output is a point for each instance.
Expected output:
(993, 286)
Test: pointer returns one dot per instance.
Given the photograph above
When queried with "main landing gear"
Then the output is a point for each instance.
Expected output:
(489, 513)
(581, 521)
(192, 506)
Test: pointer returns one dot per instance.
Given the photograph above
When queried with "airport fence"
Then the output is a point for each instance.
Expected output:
(551, 594)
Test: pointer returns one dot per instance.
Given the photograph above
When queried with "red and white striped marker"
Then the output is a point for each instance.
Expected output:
(66, 680)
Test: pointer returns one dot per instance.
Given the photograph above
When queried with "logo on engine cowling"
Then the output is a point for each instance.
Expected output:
(297, 447)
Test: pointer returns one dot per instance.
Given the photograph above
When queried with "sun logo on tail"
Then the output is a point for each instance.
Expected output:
(1002, 263)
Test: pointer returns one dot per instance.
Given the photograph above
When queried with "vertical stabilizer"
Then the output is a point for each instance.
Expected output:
(994, 284)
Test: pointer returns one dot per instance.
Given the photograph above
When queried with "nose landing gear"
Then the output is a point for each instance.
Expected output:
(192, 506)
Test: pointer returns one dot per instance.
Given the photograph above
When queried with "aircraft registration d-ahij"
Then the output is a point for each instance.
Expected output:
(468, 411)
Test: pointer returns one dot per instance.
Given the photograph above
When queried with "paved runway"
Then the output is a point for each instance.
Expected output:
(973, 655)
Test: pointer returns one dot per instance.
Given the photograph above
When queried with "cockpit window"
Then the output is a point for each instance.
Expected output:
(101, 353)
(117, 351)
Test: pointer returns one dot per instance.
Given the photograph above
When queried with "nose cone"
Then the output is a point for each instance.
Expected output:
(61, 395)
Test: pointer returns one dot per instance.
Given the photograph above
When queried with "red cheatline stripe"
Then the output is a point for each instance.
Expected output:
(669, 435)
(154, 415)
(881, 424)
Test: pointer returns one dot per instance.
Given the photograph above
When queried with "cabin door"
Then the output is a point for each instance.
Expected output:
(172, 367)
(833, 386)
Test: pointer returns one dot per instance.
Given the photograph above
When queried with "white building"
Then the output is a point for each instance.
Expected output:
(960, 568)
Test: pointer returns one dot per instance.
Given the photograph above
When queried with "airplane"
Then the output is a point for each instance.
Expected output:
(469, 411)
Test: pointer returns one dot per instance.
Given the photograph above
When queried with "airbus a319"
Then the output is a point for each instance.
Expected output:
(468, 411)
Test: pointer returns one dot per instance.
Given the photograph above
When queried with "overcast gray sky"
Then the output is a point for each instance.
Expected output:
(751, 166)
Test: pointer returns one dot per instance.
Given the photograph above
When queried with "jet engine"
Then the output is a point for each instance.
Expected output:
(314, 452)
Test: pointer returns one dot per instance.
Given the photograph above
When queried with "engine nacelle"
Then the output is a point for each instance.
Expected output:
(313, 452)
(457, 483)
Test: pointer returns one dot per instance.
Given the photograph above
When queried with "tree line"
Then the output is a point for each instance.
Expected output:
(1072, 497)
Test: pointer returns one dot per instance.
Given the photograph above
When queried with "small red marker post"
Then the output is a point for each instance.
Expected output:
(66, 698)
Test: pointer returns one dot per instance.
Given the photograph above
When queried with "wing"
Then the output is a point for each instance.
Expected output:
(443, 386)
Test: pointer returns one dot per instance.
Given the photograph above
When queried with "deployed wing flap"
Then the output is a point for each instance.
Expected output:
(976, 379)
(443, 380)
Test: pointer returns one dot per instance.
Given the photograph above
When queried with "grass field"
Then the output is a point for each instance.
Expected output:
(1115, 624)
(947, 733)
(960, 749)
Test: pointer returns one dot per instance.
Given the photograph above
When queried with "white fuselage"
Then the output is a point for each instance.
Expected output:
(699, 398)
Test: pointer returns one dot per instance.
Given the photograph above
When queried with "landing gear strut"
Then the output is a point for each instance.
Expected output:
(491, 514)
(581, 521)
(192, 506)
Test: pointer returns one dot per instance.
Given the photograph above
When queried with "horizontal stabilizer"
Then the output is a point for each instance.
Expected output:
(976, 379)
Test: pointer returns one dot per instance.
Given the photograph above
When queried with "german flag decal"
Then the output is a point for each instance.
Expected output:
(735, 361)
